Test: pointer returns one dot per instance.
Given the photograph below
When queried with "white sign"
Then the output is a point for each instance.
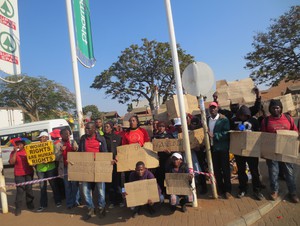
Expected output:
(9, 37)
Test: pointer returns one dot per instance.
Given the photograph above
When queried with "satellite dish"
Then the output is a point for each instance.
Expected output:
(198, 79)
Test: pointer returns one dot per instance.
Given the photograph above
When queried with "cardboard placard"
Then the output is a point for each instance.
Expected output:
(287, 103)
(161, 114)
(139, 192)
(238, 91)
(40, 152)
(193, 104)
(173, 145)
(196, 138)
(178, 184)
(90, 167)
(129, 155)
(173, 107)
(245, 143)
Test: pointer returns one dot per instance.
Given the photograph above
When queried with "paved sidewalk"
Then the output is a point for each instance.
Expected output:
(245, 211)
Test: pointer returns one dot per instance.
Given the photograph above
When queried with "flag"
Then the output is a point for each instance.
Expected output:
(9, 37)
(83, 33)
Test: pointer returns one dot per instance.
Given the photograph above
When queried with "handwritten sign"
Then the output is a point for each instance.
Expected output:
(173, 145)
(139, 192)
(40, 152)
(178, 184)
(196, 138)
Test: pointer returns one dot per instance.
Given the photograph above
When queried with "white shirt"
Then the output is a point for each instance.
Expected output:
(211, 125)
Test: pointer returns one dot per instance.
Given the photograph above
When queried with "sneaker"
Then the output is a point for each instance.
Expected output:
(17, 212)
(89, 214)
(259, 196)
(30, 206)
(40, 209)
(121, 205)
(241, 194)
(227, 195)
(135, 212)
(58, 204)
(274, 195)
(111, 206)
(101, 212)
(183, 208)
(294, 198)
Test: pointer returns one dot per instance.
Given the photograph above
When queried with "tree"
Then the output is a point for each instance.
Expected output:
(93, 109)
(139, 70)
(276, 54)
(39, 98)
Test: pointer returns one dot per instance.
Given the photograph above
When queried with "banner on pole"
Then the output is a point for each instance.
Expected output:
(9, 37)
(83, 33)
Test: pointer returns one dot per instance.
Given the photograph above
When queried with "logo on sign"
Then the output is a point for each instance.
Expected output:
(7, 9)
(7, 42)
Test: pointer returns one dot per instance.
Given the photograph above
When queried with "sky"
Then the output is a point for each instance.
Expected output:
(218, 33)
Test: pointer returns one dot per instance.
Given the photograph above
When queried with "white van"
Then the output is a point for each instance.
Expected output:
(30, 131)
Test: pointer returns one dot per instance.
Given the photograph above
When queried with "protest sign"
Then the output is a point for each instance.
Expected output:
(139, 192)
(129, 155)
(196, 138)
(178, 184)
(90, 167)
(172, 145)
(40, 152)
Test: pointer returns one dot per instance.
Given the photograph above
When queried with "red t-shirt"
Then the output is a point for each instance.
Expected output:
(92, 144)
(21, 165)
(139, 135)
(281, 123)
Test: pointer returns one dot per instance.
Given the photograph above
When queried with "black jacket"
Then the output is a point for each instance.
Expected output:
(112, 141)
(102, 147)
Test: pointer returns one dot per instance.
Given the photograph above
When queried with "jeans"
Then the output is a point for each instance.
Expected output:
(87, 192)
(174, 199)
(288, 170)
(21, 189)
(71, 189)
(43, 187)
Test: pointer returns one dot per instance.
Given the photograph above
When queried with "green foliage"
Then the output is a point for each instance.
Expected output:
(276, 54)
(139, 69)
(39, 98)
(94, 109)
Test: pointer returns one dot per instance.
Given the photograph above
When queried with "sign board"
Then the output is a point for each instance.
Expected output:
(161, 114)
(129, 155)
(237, 91)
(196, 138)
(178, 184)
(287, 103)
(139, 192)
(40, 152)
(9, 38)
(245, 143)
(173, 145)
(90, 167)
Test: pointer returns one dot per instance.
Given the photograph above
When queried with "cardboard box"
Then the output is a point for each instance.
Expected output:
(245, 143)
(90, 167)
(129, 155)
(139, 192)
(178, 184)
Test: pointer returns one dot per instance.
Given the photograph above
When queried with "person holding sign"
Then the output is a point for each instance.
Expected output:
(142, 173)
(178, 166)
(47, 170)
(279, 121)
(92, 141)
(62, 147)
(23, 172)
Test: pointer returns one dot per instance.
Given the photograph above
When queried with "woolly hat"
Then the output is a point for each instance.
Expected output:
(275, 102)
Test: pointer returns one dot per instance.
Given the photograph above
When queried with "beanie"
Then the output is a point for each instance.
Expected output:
(275, 102)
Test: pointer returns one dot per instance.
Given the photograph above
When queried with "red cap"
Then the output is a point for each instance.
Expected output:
(55, 133)
(213, 104)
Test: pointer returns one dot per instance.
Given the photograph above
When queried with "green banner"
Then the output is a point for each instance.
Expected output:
(83, 33)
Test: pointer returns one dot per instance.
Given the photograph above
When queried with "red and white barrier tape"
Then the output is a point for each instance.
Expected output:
(211, 176)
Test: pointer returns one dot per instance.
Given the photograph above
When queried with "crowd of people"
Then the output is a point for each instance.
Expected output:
(107, 137)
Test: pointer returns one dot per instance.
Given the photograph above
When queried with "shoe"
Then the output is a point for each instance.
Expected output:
(30, 206)
(136, 212)
(227, 195)
(274, 195)
(101, 212)
(183, 208)
(58, 204)
(17, 212)
(89, 214)
(40, 209)
(259, 196)
(151, 209)
(111, 206)
(173, 208)
(294, 198)
(241, 194)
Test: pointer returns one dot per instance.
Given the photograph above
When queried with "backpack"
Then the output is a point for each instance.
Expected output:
(286, 115)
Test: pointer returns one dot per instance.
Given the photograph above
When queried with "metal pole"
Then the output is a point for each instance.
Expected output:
(2, 187)
(75, 66)
(207, 145)
(186, 141)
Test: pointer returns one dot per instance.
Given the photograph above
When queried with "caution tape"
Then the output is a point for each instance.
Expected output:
(210, 175)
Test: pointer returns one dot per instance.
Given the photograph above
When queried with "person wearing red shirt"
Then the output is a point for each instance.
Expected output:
(23, 172)
(135, 133)
(279, 121)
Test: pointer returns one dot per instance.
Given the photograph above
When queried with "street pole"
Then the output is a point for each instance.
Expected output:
(75, 67)
(208, 150)
(2, 187)
(186, 140)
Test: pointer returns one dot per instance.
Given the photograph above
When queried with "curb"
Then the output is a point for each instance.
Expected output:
(253, 216)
